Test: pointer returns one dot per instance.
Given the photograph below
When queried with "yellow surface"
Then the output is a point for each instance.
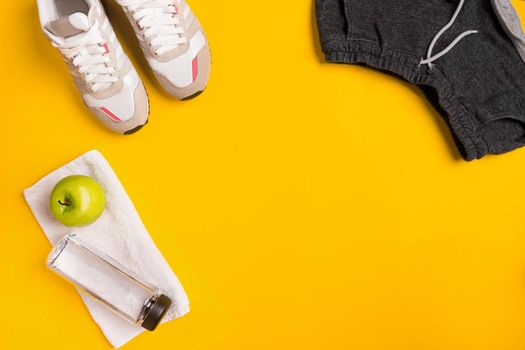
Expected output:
(303, 205)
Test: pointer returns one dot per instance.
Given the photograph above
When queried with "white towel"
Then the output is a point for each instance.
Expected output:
(119, 233)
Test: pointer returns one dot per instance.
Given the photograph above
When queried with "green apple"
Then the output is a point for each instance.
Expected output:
(77, 200)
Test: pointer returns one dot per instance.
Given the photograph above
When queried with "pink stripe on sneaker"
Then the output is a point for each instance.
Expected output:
(109, 114)
(194, 68)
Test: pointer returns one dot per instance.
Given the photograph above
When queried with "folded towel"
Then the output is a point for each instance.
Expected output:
(119, 233)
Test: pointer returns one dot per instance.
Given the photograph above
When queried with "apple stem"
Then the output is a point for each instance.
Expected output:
(66, 202)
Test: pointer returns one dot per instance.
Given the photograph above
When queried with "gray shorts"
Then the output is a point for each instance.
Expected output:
(470, 69)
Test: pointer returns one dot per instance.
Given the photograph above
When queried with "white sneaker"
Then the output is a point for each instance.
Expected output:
(104, 75)
(173, 42)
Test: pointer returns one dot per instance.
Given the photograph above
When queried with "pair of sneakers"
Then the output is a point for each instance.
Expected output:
(171, 38)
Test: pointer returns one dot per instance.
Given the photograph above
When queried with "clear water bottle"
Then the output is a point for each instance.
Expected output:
(108, 282)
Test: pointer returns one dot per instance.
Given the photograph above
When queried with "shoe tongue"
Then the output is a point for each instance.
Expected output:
(66, 27)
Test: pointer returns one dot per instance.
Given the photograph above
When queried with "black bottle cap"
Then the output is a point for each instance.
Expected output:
(156, 312)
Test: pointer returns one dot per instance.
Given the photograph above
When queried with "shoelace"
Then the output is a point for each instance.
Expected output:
(158, 21)
(429, 59)
(90, 55)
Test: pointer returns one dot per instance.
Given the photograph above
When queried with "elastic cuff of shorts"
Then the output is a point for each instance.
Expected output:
(470, 145)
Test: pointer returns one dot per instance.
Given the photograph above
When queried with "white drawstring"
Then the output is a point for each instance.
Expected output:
(429, 59)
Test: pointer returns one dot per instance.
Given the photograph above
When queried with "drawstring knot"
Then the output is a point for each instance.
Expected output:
(431, 58)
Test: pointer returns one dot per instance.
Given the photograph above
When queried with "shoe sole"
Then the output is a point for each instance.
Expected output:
(187, 98)
(137, 128)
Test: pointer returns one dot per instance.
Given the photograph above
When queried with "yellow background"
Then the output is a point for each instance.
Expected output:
(303, 205)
